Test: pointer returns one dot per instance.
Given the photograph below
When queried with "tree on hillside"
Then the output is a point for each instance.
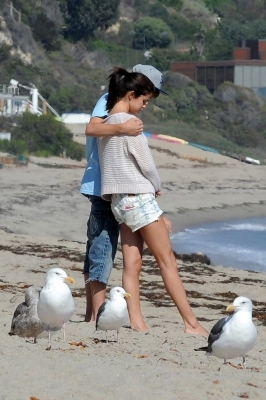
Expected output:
(157, 10)
(45, 31)
(235, 31)
(82, 17)
(183, 27)
(215, 5)
(245, 10)
(43, 135)
(239, 20)
(151, 32)
(217, 47)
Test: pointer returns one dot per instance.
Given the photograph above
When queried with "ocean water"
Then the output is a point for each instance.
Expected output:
(237, 243)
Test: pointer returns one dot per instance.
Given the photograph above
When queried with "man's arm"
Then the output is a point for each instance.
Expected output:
(96, 127)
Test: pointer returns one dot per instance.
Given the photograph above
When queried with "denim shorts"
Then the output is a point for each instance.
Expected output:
(102, 237)
(136, 211)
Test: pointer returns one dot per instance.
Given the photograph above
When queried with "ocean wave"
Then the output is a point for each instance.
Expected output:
(236, 244)
(244, 227)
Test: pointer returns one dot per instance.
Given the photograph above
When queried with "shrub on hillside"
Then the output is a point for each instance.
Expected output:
(151, 32)
(70, 98)
(157, 10)
(161, 58)
(45, 31)
(187, 94)
(4, 51)
(216, 46)
(82, 18)
(75, 151)
(183, 28)
(14, 68)
(33, 134)
(14, 146)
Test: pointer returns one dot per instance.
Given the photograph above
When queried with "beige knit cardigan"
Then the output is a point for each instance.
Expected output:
(126, 162)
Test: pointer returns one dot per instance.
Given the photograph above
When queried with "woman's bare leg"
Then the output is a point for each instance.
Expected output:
(157, 239)
(132, 245)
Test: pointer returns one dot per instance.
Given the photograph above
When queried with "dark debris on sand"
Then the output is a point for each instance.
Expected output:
(193, 268)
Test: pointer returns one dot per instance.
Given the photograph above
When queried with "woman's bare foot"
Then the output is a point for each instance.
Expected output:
(196, 330)
(139, 326)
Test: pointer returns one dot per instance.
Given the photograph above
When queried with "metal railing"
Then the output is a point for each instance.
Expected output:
(14, 12)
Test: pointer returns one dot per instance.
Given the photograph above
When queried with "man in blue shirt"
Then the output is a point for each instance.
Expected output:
(102, 228)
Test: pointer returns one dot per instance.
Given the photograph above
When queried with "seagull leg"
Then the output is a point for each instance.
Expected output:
(117, 340)
(244, 362)
(64, 331)
(35, 340)
(106, 337)
(224, 360)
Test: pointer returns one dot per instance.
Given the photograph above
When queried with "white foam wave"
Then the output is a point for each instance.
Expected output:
(244, 227)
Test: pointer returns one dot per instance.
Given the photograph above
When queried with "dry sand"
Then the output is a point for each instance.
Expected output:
(43, 225)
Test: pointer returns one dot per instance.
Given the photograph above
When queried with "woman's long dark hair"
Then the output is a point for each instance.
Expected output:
(121, 82)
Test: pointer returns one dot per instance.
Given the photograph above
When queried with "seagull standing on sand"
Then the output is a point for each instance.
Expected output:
(56, 304)
(25, 322)
(235, 335)
(113, 314)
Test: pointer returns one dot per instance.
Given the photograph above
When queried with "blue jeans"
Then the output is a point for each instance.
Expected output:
(102, 237)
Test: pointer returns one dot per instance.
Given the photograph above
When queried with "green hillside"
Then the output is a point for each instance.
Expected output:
(67, 48)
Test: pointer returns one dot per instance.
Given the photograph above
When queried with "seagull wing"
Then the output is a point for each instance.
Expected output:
(18, 314)
(21, 308)
(100, 311)
(214, 335)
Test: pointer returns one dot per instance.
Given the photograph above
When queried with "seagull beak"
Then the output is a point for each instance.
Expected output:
(231, 308)
(69, 279)
(127, 295)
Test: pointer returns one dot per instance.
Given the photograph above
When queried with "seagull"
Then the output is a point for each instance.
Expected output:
(113, 314)
(235, 335)
(56, 304)
(25, 322)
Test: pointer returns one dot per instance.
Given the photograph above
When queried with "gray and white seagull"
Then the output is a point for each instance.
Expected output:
(113, 314)
(235, 335)
(56, 304)
(25, 321)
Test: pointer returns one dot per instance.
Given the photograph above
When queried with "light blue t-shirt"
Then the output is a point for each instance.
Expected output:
(91, 181)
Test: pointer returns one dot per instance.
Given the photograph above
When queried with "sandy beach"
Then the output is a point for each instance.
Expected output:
(43, 225)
